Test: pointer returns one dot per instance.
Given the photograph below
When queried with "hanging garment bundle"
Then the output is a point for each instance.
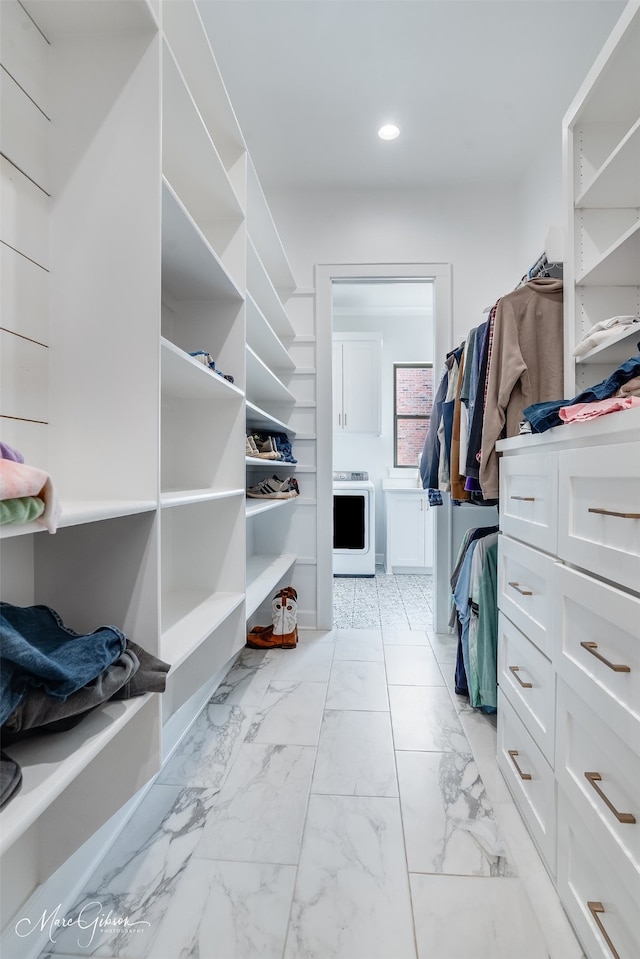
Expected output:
(474, 585)
(486, 383)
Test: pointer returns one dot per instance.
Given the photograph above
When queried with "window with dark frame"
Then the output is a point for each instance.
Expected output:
(412, 404)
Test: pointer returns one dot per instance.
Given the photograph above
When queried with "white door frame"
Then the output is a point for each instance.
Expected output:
(440, 275)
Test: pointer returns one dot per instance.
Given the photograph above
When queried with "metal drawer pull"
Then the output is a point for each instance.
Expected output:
(514, 670)
(525, 499)
(594, 779)
(612, 512)
(519, 589)
(616, 667)
(513, 753)
(594, 909)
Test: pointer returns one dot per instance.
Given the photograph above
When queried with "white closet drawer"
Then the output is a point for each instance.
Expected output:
(599, 509)
(604, 912)
(597, 648)
(600, 775)
(524, 590)
(530, 779)
(528, 680)
(529, 499)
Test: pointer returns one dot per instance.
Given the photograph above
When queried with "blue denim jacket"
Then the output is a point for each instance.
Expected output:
(543, 416)
(37, 649)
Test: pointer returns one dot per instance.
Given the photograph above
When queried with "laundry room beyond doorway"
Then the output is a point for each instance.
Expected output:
(379, 325)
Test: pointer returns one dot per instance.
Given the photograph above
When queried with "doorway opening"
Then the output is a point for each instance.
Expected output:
(378, 329)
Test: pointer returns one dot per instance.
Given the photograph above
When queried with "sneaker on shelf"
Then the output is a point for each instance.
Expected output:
(271, 488)
(267, 448)
(290, 484)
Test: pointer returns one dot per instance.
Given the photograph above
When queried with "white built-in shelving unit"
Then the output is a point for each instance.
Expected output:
(271, 402)
(602, 167)
(134, 232)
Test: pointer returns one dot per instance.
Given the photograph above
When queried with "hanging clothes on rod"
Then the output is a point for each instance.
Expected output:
(474, 585)
(512, 360)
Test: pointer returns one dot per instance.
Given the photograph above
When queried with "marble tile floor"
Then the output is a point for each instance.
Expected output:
(336, 801)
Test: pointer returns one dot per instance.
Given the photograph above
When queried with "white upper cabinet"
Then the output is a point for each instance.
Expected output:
(356, 383)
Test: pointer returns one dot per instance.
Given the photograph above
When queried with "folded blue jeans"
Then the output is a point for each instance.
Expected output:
(38, 650)
(543, 416)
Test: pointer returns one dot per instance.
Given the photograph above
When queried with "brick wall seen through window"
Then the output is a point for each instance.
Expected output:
(413, 400)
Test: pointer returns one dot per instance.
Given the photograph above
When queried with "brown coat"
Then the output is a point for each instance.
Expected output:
(526, 366)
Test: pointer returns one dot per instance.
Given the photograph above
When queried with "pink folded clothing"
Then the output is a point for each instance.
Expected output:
(588, 411)
(19, 480)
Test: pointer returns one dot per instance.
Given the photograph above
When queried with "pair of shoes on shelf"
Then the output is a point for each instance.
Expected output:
(274, 488)
(262, 452)
(283, 633)
(207, 360)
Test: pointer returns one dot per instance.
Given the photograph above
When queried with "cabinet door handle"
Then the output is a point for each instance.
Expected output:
(525, 499)
(616, 667)
(513, 753)
(345, 419)
(519, 589)
(595, 908)
(613, 512)
(594, 779)
(515, 670)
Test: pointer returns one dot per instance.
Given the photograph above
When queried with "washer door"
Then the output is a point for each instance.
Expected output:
(350, 521)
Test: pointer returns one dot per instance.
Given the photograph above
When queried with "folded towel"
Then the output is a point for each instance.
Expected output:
(18, 480)
(22, 509)
(9, 453)
(603, 331)
(632, 388)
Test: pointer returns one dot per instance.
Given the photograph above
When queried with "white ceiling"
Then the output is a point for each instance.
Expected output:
(476, 86)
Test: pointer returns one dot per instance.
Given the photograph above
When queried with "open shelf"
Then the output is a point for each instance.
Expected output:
(256, 506)
(171, 498)
(183, 376)
(264, 235)
(617, 182)
(264, 293)
(52, 762)
(259, 419)
(77, 512)
(618, 265)
(616, 349)
(198, 174)
(189, 43)
(270, 464)
(191, 268)
(263, 339)
(263, 386)
(263, 575)
(189, 616)
(65, 20)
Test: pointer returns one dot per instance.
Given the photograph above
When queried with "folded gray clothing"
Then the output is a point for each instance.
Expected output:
(150, 677)
(10, 778)
(41, 713)
(134, 673)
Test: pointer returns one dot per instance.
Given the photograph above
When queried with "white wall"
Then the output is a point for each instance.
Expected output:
(477, 229)
(404, 339)
(541, 201)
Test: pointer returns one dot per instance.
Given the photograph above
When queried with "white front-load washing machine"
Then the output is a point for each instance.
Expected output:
(354, 522)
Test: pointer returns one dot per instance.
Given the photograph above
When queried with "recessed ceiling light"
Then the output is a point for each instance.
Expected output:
(388, 132)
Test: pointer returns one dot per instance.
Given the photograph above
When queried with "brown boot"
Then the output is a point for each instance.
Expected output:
(262, 637)
(284, 611)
